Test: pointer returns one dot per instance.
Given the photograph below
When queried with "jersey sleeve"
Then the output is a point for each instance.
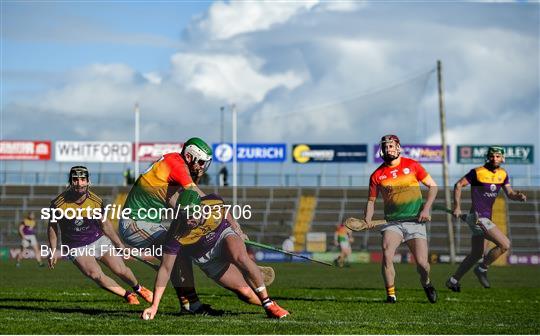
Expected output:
(506, 179)
(471, 176)
(180, 174)
(373, 186)
(420, 171)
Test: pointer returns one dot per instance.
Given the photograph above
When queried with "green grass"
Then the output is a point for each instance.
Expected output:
(322, 300)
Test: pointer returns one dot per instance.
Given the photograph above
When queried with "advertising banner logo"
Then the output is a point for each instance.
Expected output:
(25, 150)
(250, 152)
(152, 151)
(514, 154)
(93, 151)
(420, 153)
(307, 153)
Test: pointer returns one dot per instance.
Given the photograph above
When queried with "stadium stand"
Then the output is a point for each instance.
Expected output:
(275, 210)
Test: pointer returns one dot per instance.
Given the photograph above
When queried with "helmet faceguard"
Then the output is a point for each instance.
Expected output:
(382, 150)
(78, 172)
(199, 151)
(494, 150)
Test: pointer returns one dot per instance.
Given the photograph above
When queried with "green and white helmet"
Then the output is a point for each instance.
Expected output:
(199, 150)
(495, 150)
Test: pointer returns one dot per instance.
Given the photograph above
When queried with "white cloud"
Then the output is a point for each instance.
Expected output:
(153, 77)
(226, 20)
(310, 73)
(232, 78)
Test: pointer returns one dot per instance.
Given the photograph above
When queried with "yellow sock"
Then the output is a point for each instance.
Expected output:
(391, 291)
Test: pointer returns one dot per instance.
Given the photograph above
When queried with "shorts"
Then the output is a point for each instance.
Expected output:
(407, 230)
(142, 234)
(102, 246)
(28, 240)
(480, 227)
(344, 244)
(214, 262)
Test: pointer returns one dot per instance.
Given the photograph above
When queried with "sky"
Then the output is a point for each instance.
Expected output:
(297, 71)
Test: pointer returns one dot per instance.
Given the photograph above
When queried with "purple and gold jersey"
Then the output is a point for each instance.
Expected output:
(203, 238)
(485, 186)
(28, 226)
(79, 232)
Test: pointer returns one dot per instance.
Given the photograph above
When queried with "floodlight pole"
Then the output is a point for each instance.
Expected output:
(234, 143)
(137, 115)
(446, 184)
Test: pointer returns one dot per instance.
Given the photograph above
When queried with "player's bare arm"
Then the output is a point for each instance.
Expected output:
(369, 211)
(432, 193)
(457, 196)
(109, 231)
(514, 195)
(162, 277)
(53, 242)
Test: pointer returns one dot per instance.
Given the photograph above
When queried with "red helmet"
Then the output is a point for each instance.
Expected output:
(385, 139)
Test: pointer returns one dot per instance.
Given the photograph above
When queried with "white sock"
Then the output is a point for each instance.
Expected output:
(453, 281)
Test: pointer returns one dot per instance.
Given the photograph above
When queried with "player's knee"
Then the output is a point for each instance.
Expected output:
(504, 246)
(388, 257)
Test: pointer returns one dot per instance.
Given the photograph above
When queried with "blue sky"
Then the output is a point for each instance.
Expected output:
(298, 71)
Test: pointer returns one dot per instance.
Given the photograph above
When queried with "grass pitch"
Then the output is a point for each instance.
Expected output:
(322, 300)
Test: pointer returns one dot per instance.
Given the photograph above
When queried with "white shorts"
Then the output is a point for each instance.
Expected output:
(28, 240)
(214, 262)
(480, 227)
(141, 234)
(407, 230)
(102, 246)
(345, 245)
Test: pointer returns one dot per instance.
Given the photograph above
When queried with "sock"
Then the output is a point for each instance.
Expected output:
(482, 268)
(136, 288)
(189, 301)
(453, 280)
(427, 283)
(127, 294)
(391, 291)
(266, 302)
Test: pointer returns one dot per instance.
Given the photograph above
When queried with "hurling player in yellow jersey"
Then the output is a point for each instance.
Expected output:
(398, 180)
(91, 239)
(208, 238)
(486, 181)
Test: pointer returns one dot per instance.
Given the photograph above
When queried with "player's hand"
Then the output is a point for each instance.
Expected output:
(521, 196)
(52, 262)
(149, 313)
(369, 224)
(457, 212)
(424, 216)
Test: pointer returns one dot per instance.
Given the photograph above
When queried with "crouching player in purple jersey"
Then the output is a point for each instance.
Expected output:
(486, 182)
(91, 239)
(212, 242)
